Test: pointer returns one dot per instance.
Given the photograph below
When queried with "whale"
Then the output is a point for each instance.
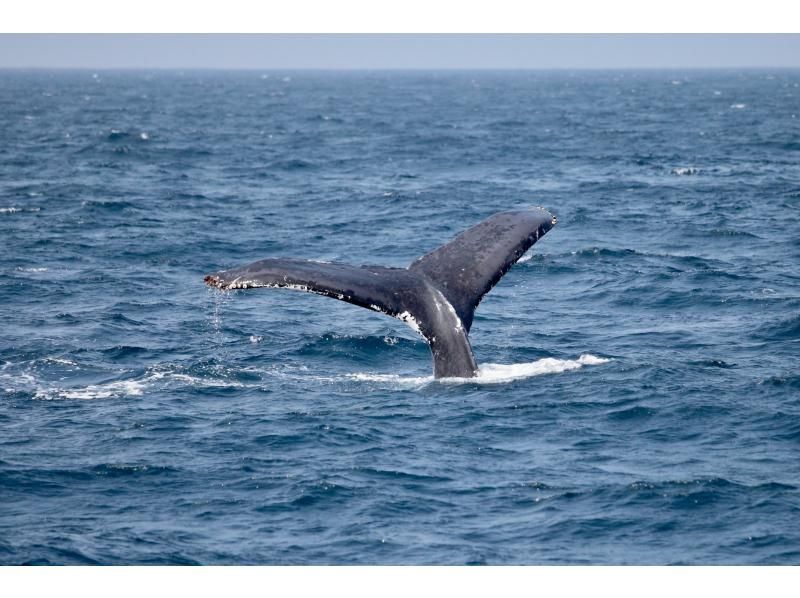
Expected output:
(436, 295)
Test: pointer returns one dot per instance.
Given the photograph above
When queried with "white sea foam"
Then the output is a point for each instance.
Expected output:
(12, 382)
(166, 377)
(685, 170)
(61, 360)
(13, 210)
(490, 373)
(196, 381)
(156, 378)
(494, 373)
(738, 106)
(392, 379)
(93, 391)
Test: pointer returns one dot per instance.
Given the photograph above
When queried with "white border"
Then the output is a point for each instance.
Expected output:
(401, 582)
(419, 16)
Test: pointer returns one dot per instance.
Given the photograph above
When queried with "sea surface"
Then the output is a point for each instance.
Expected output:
(639, 396)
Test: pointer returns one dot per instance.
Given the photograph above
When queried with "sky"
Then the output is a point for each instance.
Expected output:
(380, 51)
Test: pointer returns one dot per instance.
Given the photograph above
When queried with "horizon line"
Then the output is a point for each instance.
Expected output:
(398, 68)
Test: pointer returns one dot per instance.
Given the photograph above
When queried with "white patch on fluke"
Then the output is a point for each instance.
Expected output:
(409, 319)
(459, 327)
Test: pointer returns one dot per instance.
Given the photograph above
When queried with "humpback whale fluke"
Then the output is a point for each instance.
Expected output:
(436, 295)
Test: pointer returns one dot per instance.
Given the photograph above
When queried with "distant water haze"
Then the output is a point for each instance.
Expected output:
(319, 51)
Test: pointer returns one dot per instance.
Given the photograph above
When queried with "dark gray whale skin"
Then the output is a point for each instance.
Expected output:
(437, 294)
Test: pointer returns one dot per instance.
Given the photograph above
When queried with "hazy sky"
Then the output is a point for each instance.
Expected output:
(337, 51)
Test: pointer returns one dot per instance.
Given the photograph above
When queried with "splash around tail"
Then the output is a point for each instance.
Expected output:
(491, 373)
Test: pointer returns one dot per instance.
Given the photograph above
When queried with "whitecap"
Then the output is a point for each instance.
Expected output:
(196, 381)
(738, 106)
(14, 210)
(189, 380)
(153, 378)
(685, 170)
(94, 391)
(61, 360)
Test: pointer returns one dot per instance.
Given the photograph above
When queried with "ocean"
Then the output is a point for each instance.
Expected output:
(639, 394)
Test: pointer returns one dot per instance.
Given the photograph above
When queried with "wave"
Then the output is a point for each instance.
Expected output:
(107, 390)
(780, 330)
(685, 171)
(118, 135)
(359, 346)
(14, 210)
(158, 377)
(729, 232)
(292, 164)
(787, 380)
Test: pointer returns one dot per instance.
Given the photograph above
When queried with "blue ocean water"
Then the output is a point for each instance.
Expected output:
(640, 392)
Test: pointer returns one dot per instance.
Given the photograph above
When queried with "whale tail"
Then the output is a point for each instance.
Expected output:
(436, 295)
(468, 267)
